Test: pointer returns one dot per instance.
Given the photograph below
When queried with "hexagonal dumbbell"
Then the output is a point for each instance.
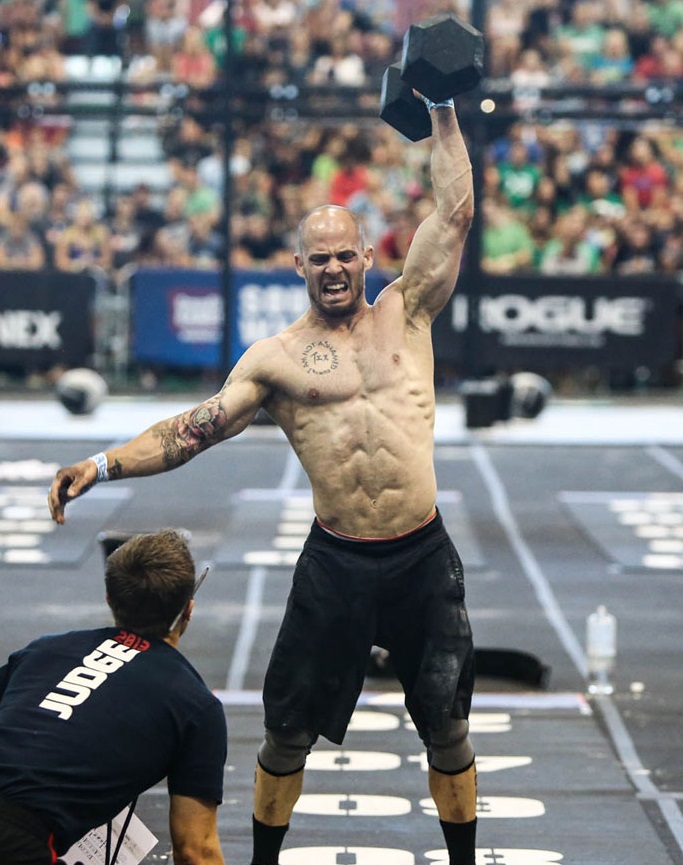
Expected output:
(442, 57)
(401, 109)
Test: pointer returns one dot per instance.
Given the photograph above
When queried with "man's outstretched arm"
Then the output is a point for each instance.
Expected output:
(433, 261)
(167, 444)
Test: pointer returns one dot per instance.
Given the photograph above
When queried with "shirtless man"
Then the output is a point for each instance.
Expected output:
(351, 385)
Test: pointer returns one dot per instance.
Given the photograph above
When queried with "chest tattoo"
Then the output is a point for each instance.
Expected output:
(319, 358)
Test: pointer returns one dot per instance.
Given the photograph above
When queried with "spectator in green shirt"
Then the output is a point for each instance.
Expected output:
(506, 241)
(518, 177)
(569, 253)
(666, 16)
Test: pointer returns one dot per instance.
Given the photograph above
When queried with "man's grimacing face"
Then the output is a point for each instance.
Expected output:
(333, 262)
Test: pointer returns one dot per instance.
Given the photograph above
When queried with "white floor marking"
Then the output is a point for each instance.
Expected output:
(241, 656)
(351, 805)
(496, 807)
(352, 761)
(357, 855)
(617, 730)
(665, 459)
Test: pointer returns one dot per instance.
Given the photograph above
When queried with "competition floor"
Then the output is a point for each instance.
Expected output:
(583, 506)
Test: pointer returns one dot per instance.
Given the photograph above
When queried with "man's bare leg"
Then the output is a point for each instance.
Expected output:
(455, 796)
(453, 785)
(277, 786)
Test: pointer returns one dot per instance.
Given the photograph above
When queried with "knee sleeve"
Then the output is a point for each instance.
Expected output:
(284, 754)
(450, 750)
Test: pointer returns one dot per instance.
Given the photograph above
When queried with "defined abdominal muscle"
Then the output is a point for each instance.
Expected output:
(373, 494)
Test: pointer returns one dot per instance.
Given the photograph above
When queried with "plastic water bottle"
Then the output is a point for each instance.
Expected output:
(601, 650)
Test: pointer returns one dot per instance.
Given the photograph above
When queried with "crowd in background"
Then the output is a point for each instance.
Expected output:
(559, 198)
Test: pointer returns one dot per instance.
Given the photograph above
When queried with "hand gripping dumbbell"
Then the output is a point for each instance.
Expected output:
(442, 57)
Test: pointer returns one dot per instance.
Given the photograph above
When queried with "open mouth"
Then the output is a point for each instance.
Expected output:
(335, 288)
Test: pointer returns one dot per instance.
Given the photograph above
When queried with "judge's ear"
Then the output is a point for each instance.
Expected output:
(187, 614)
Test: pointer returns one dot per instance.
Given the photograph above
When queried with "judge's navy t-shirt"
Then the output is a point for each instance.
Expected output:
(91, 719)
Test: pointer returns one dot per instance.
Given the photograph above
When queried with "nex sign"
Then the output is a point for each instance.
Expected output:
(30, 329)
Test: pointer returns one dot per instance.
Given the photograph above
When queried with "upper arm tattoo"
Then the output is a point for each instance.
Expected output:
(187, 434)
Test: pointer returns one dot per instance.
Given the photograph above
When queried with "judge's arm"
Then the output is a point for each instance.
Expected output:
(194, 832)
(433, 261)
(172, 442)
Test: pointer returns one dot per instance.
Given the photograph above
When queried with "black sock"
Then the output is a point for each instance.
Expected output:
(267, 842)
(460, 841)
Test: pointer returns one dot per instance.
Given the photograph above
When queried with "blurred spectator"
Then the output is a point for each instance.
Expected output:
(666, 16)
(614, 64)
(164, 28)
(84, 243)
(75, 23)
(46, 166)
(188, 142)
(200, 198)
(569, 253)
(507, 244)
(41, 61)
(20, 249)
(258, 245)
(644, 180)
(32, 201)
(175, 230)
(566, 183)
(298, 57)
(518, 177)
(147, 216)
(193, 64)
(393, 245)
(599, 196)
(505, 20)
(581, 39)
(59, 214)
(205, 244)
(327, 161)
(125, 232)
(352, 174)
(373, 204)
(342, 63)
(103, 36)
(274, 17)
(541, 225)
(662, 61)
(379, 52)
(670, 258)
(528, 74)
(636, 250)
(638, 31)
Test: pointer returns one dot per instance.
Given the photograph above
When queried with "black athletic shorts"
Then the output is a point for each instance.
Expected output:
(406, 595)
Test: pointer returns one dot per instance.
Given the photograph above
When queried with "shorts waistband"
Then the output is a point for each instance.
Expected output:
(362, 540)
(377, 546)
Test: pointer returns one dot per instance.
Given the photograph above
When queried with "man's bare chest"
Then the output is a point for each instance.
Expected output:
(327, 369)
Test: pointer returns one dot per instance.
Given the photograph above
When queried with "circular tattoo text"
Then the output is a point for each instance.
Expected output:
(319, 358)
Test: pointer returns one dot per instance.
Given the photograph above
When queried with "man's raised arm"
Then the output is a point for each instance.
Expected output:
(167, 444)
(433, 261)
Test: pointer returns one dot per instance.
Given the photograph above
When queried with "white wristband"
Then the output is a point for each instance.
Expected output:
(448, 103)
(100, 461)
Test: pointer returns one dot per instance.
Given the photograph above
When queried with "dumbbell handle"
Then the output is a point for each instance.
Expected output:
(447, 103)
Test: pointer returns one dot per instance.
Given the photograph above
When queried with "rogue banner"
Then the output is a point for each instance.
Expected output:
(552, 323)
(45, 319)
